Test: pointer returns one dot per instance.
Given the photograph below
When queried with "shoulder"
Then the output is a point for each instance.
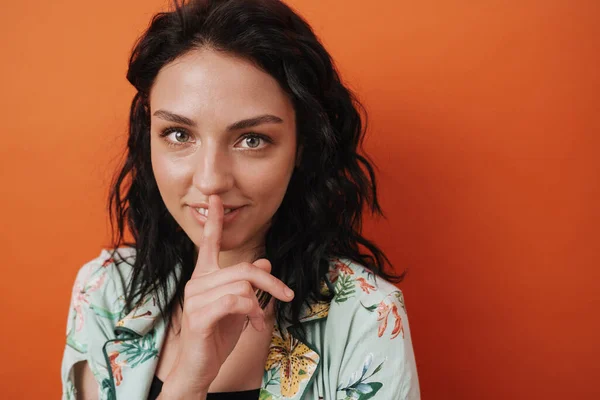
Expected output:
(368, 332)
(110, 263)
(97, 300)
(106, 275)
(357, 288)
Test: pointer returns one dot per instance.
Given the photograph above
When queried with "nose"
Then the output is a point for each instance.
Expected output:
(212, 174)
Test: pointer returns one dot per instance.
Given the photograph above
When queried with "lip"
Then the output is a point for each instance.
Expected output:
(227, 218)
(205, 205)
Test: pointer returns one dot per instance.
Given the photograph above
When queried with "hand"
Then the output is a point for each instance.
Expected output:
(216, 302)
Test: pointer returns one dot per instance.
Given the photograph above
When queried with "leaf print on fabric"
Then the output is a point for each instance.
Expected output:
(296, 360)
(271, 377)
(137, 351)
(104, 313)
(265, 395)
(339, 268)
(356, 387)
(344, 288)
(133, 352)
(390, 304)
(345, 281)
(107, 390)
(399, 298)
(74, 343)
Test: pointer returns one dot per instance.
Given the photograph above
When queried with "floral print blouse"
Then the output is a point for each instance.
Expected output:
(357, 347)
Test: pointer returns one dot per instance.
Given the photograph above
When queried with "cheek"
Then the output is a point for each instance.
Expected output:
(268, 184)
(169, 174)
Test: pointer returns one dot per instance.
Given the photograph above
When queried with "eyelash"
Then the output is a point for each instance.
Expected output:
(166, 132)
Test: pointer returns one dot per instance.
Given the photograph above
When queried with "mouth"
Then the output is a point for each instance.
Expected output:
(229, 215)
(204, 211)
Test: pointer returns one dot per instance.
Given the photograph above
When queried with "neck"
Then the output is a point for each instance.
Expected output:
(233, 257)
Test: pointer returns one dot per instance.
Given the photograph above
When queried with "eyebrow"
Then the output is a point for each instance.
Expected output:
(243, 124)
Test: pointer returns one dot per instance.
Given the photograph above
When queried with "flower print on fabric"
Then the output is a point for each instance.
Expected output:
(339, 268)
(365, 286)
(356, 386)
(292, 360)
(116, 367)
(311, 311)
(346, 281)
(82, 291)
(140, 315)
(84, 286)
(389, 305)
(132, 352)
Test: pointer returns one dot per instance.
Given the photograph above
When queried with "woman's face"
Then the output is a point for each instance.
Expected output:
(220, 125)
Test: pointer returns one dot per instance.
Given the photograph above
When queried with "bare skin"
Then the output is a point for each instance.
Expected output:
(222, 133)
(213, 346)
(87, 387)
(249, 355)
(217, 301)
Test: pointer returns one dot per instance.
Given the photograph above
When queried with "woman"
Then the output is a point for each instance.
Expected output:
(243, 190)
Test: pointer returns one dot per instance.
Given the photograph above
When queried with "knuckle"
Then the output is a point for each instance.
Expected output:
(246, 287)
(245, 268)
(229, 300)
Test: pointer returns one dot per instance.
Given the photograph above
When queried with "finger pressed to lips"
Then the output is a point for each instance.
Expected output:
(208, 275)
(208, 252)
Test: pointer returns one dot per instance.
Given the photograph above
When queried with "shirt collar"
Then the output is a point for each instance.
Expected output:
(145, 314)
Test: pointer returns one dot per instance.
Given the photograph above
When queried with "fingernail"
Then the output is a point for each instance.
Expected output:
(288, 292)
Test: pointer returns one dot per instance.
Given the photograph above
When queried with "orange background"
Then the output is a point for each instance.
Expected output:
(484, 122)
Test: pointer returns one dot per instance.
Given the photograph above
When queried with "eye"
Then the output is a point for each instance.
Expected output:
(181, 136)
(175, 136)
(253, 141)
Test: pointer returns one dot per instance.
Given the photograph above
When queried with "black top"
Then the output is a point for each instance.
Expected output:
(157, 384)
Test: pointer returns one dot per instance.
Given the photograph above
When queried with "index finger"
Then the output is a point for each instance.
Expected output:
(210, 246)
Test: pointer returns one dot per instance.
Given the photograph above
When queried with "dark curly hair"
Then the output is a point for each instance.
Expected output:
(321, 214)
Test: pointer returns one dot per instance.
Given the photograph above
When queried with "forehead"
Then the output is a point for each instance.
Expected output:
(207, 83)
